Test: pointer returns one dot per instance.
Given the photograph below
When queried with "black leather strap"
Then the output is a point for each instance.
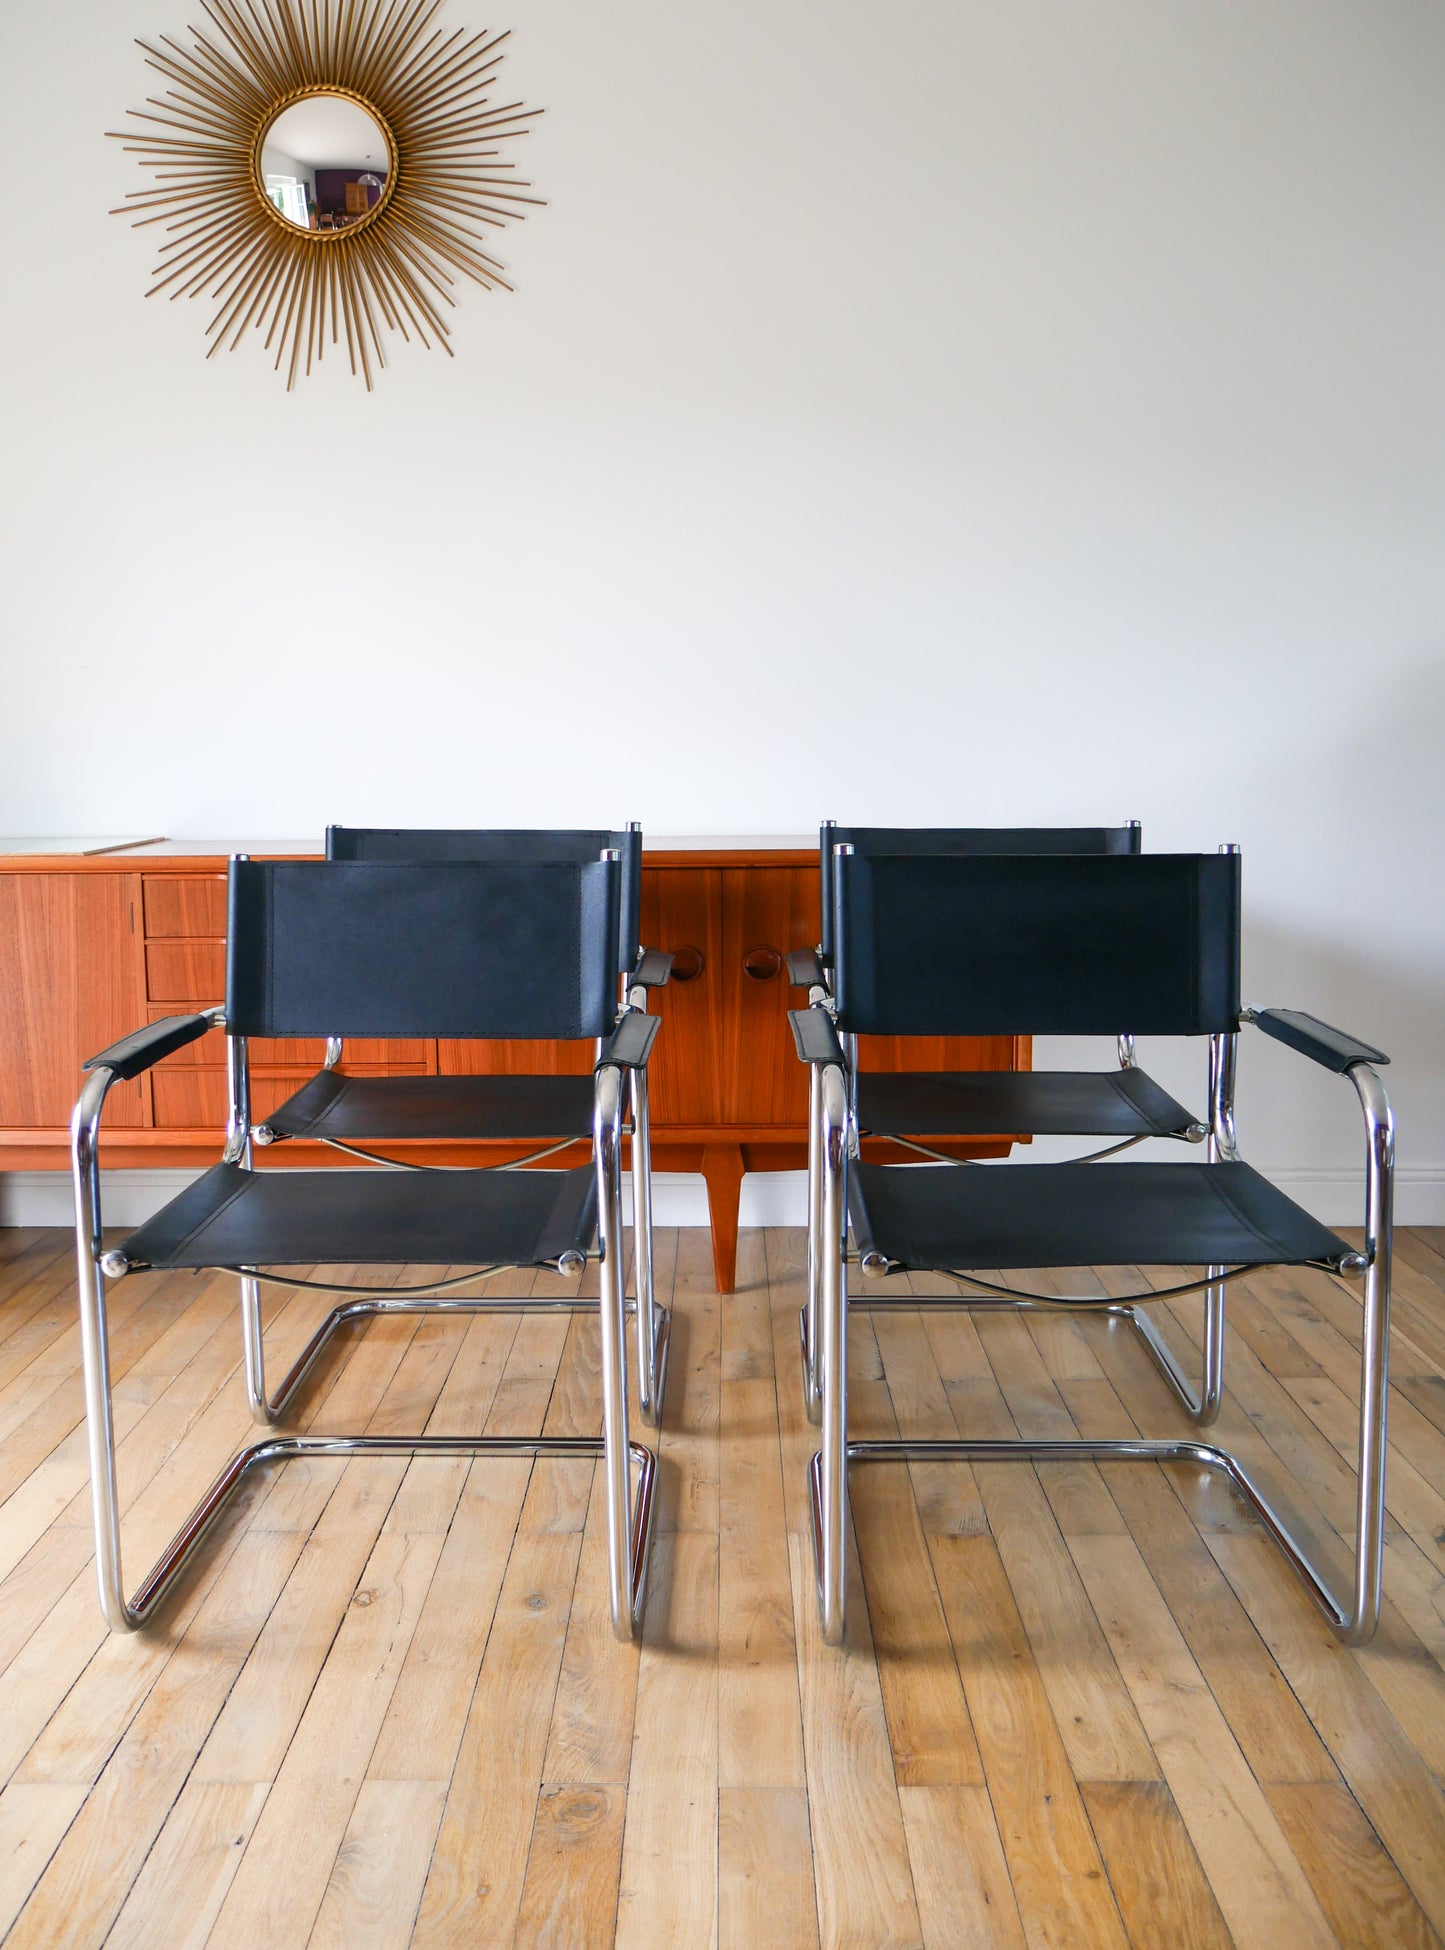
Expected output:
(652, 970)
(136, 1052)
(805, 971)
(815, 1037)
(409, 948)
(515, 846)
(1316, 1040)
(1111, 840)
(630, 1044)
(1041, 944)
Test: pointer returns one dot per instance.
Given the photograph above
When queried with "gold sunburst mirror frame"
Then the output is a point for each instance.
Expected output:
(396, 266)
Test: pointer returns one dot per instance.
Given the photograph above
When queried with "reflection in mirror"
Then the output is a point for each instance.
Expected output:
(325, 163)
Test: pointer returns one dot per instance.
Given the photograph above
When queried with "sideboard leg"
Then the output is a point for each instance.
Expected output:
(722, 1167)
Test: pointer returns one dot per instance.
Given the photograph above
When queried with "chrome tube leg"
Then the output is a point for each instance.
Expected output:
(1203, 1406)
(1374, 1355)
(95, 1355)
(831, 1472)
(647, 1375)
(1220, 1143)
(615, 1453)
(812, 1398)
(1211, 1394)
(252, 1342)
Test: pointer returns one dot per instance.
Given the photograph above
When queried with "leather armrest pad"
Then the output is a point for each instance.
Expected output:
(815, 1036)
(142, 1047)
(652, 970)
(630, 1044)
(1315, 1039)
(805, 971)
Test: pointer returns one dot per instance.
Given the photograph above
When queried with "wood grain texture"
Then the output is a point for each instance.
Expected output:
(959, 1872)
(1256, 1878)
(70, 948)
(1162, 1892)
(570, 1891)
(1077, 1705)
(1058, 1877)
(765, 1869)
(668, 1890)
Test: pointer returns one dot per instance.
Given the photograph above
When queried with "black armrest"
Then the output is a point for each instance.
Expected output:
(142, 1047)
(630, 1044)
(1315, 1039)
(815, 1036)
(652, 970)
(805, 971)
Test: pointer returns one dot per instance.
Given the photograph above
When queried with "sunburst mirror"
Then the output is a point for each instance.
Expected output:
(326, 168)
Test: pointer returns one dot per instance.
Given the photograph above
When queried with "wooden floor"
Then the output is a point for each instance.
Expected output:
(1079, 1706)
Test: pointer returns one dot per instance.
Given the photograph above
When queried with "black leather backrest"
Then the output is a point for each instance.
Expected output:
(456, 948)
(517, 845)
(948, 945)
(963, 839)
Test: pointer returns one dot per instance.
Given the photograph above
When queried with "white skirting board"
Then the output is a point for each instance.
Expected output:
(128, 1198)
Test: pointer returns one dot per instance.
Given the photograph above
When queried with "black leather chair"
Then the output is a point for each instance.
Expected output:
(1122, 1106)
(978, 946)
(385, 949)
(554, 1112)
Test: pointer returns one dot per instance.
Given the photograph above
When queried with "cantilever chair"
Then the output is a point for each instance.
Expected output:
(554, 1112)
(958, 946)
(455, 949)
(1122, 1106)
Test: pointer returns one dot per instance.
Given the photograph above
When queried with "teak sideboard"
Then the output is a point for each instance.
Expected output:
(92, 945)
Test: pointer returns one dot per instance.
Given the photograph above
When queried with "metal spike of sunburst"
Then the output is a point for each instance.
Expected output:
(427, 90)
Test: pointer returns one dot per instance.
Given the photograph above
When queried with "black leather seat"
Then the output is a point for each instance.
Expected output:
(234, 1217)
(347, 1110)
(948, 944)
(456, 948)
(1082, 1215)
(356, 1114)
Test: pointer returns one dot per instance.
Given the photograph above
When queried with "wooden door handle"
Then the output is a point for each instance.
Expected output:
(762, 963)
(687, 964)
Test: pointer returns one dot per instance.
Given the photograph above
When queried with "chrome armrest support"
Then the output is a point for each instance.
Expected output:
(85, 1161)
(1223, 1068)
(238, 1112)
(1379, 1160)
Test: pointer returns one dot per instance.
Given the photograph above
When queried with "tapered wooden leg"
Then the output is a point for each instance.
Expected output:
(722, 1167)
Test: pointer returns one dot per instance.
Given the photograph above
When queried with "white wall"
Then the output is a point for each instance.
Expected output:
(1061, 388)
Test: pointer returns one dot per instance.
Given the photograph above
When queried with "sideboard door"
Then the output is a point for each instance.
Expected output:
(70, 945)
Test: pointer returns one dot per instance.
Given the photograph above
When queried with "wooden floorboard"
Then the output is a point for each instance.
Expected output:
(1078, 1705)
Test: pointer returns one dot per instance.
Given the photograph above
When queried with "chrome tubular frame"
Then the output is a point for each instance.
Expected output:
(653, 1321)
(829, 1475)
(808, 1319)
(1353, 1620)
(629, 1512)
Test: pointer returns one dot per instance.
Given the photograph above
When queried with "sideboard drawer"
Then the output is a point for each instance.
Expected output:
(185, 904)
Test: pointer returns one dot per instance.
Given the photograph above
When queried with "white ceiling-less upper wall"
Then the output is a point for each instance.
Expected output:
(1026, 413)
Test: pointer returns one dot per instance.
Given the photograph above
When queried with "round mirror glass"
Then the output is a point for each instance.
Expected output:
(325, 163)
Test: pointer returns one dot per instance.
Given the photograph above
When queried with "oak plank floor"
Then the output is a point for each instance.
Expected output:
(1079, 1704)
